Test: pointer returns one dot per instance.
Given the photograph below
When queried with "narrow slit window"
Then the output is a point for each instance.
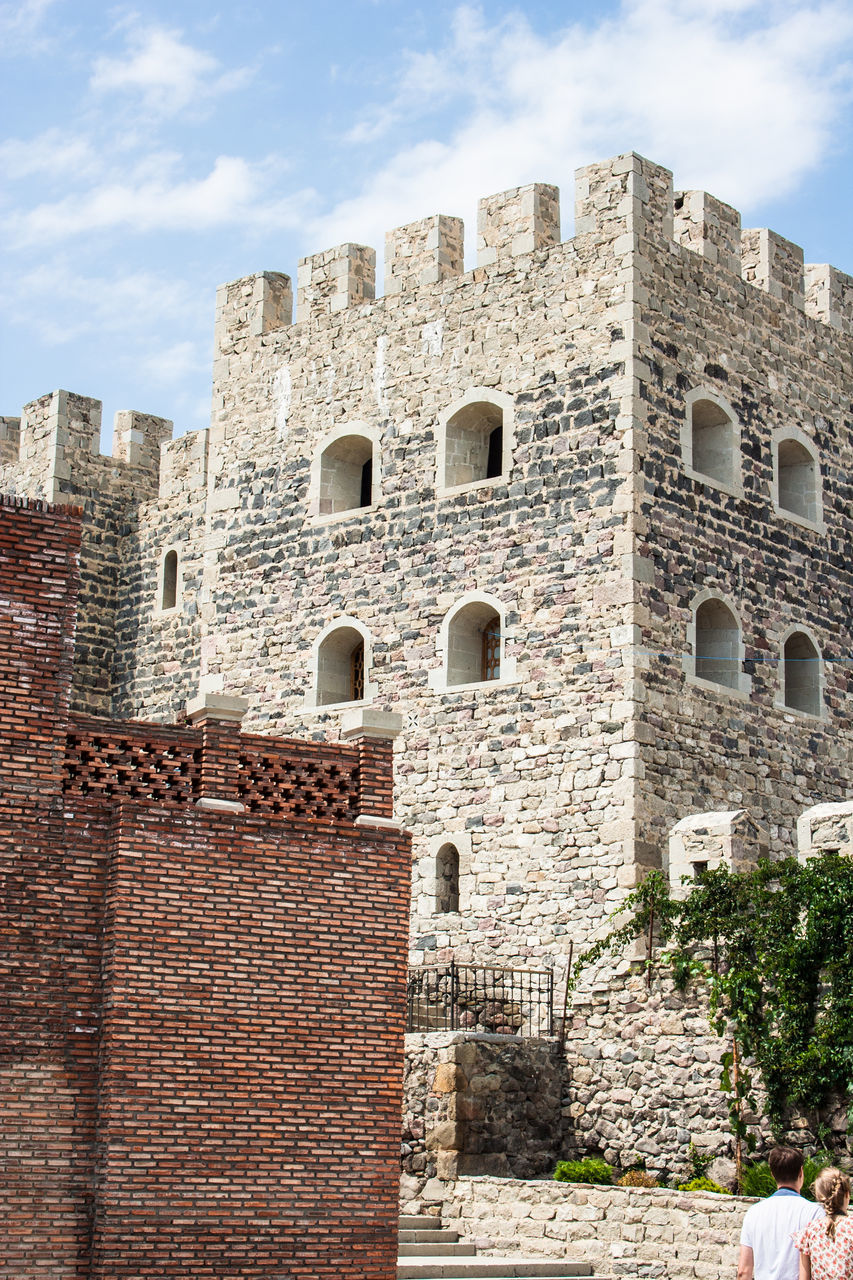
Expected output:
(357, 673)
(474, 645)
(367, 483)
(169, 594)
(341, 667)
(473, 445)
(346, 475)
(491, 669)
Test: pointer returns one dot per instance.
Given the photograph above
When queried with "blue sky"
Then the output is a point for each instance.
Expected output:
(150, 152)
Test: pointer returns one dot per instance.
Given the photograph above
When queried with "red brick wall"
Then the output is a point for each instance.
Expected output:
(201, 1061)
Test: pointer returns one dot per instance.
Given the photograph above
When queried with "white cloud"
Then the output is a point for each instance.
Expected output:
(54, 153)
(168, 74)
(234, 192)
(21, 24)
(737, 96)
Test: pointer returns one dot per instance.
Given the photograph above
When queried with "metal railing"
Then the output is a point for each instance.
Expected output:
(461, 997)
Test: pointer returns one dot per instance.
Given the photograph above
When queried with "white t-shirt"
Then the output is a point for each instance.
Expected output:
(767, 1230)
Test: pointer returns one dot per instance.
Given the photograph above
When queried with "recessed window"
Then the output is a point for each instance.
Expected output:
(447, 878)
(713, 440)
(341, 667)
(801, 674)
(169, 581)
(346, 475)
(474, 645)
(796, 480)
(475, 439)
(717, 644)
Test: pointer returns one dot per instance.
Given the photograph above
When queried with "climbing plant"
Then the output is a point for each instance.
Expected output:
(775, 947)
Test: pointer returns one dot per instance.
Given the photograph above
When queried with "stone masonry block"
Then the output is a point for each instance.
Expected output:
(517, 221)
(137, 438)
(423, 253)
(627, 194)
(251, 307)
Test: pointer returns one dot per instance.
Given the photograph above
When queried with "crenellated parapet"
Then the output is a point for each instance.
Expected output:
(424, 253)
(708, 227)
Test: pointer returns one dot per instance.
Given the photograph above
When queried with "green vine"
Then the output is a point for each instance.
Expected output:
(775, 947)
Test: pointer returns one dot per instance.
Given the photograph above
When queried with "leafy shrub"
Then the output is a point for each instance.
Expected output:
(704, 1184)
(637, 1178)
(758, 1180)
(593, 1169)
(812, 1168)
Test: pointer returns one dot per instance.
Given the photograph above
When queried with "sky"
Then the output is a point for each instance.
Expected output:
(151, 152)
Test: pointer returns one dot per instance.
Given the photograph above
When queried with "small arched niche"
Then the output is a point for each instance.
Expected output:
(801, 674)
(717, 644)
(169, 593)
(711, 441)
(447, 879)
(475, 439)
(341, 667)
(797, 478)
(474, 644)
(346, 479)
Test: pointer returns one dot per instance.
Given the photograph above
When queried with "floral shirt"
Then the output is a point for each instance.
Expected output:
(831, 1257)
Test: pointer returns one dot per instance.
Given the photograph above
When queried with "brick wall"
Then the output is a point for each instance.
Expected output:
(201, 1056)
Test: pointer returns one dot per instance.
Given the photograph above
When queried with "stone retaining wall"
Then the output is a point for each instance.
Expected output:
(634, 1232)
(477, 1104)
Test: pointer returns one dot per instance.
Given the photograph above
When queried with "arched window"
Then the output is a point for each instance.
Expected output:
(717, 644)
(346, 475)
(474, 645)
(169, 583)
(801, 674)
(341, 667)
(447, 878)
(797, 480)
(713, 442)
(473, 444)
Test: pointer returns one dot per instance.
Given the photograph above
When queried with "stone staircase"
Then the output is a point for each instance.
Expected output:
(429, 1251)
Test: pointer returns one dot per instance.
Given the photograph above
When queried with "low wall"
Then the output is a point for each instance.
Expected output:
(481, 1104)
(634, 1232)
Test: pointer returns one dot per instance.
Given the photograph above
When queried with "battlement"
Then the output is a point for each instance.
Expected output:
(53, 449)
(616, 202)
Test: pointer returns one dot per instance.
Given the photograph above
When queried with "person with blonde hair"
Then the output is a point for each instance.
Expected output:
(826, 1244)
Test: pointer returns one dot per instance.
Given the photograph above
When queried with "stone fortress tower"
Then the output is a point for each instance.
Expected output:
(581, 516)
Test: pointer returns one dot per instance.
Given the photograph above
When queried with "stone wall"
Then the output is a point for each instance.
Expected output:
(633, 1232)
(481, 1104)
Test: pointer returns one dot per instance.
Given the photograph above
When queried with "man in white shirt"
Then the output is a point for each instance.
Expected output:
(766, 1249)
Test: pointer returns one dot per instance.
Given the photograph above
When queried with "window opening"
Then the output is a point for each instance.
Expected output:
(447, 879)
(473, 444)
(474, 645)
(717, 644)
(346, 475)
(801, 675)
(797, 480)
(491, 669)
(357, 673)
(169, 596)
(713, 441)
(341, 667)
(367, 483)
(495, 460)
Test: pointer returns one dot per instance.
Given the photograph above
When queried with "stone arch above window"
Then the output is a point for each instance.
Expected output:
(475, 439)
(345, 474)
(341, 662)
(447, 879)
(169, 585)
(472, 644)
(797, 487)
(710, 441)
(717, 645)
(801, 674)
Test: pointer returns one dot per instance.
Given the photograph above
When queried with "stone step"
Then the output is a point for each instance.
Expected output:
(443, 1268)
(422, 1236)
(437, 1248)
(419, 1221)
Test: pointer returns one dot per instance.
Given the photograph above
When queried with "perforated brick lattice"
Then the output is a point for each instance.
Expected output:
(297, 788)
(121, 765)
